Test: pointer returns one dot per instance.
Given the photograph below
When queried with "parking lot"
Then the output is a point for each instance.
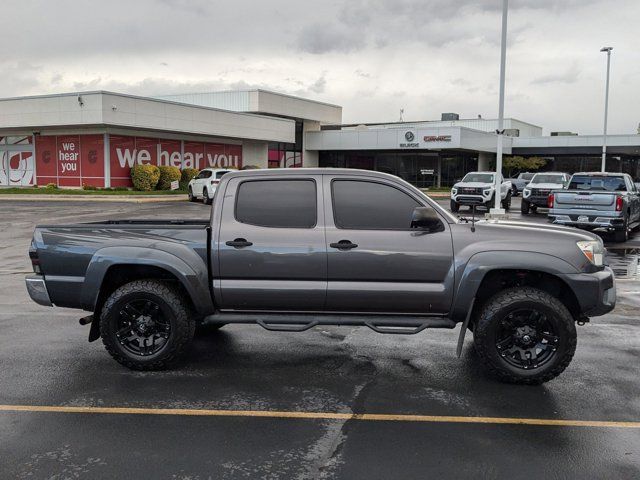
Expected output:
(331, 402)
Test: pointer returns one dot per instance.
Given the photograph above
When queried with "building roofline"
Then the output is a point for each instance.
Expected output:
(140, 97)
(249, 90)
(427, 121)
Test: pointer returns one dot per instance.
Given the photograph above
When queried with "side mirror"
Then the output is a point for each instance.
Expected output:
(426, 218)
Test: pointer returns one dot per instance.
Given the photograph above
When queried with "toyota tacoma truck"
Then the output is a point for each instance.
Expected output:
(478, 189)
(598, 201)
(536, 193)
(294, 248)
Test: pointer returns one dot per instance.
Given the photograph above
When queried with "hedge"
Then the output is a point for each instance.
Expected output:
(168, 175)
(187, 175)
(145, 177)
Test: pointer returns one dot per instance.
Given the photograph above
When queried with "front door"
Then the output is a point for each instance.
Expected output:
(271, 244)
(376, 262)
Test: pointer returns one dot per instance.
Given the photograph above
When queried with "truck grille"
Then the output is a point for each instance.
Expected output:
(540, 192)
(470, 190)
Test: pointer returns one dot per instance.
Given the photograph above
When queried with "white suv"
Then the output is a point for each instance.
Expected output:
(205, 184)
(477, 188)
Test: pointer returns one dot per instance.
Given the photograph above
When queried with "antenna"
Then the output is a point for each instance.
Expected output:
(401, 115)
(473, 218)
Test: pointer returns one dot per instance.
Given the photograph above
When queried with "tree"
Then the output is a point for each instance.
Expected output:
(516, 164)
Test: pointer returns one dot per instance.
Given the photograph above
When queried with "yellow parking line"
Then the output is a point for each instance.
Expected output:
(377, 417)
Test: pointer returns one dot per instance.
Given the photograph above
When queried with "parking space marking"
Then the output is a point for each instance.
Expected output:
(319, 416)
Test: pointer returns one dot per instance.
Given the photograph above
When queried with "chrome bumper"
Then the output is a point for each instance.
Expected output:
(38, 290)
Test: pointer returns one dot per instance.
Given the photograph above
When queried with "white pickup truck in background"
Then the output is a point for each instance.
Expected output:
(477, 188)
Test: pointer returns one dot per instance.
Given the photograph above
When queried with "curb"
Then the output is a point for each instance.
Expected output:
(94, 198)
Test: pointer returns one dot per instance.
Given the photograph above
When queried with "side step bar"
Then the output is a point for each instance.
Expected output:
(299, 322)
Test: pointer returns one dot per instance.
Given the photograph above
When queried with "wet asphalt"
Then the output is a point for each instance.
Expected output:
(45, 360)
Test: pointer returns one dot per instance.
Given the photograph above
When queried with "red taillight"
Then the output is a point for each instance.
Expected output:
(550, 200)
(215, 182)
(35, 261)
(618, 204)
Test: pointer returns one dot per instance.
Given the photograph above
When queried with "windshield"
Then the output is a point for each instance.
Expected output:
(546, 178)
(478, 177)
(526, 176)
(593, 182)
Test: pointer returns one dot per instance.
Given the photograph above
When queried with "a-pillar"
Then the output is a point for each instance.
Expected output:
(484, 161)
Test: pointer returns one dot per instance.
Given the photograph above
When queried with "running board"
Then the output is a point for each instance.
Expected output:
(300, 322)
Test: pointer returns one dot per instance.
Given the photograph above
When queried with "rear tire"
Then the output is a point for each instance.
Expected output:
(514, 191)
(455, 206)
(205, 197)
(621, 236)
(506, 203)
(143, 312)
(524, 207)
(525, 335)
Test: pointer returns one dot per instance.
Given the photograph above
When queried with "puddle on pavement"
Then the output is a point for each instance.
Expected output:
(624, 262)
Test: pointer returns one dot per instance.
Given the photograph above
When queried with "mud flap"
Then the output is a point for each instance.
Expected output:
(463, 329)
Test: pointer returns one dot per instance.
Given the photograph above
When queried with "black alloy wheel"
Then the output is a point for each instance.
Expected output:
(142, 327)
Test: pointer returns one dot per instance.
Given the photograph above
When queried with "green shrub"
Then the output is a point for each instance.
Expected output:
(250, 167)
(145, 177)
(187, 175)
(51, 186)
(121, 189)
(89, 187)
(168, 175)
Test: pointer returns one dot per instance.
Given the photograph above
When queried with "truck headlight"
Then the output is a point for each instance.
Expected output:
(487, 192)
(526, 192)
(454, 191)
(593, 250)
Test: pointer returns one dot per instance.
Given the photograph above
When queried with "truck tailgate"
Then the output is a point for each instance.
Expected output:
(588, 200)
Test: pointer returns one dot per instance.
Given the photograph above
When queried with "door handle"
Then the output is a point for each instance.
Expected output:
(239, 243)
(343, 245)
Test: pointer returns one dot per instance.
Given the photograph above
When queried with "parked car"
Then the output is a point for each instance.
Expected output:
(289, 249)
(477, 188)
(205, 183)
(536, 193)
(518, 183)
(598, 201)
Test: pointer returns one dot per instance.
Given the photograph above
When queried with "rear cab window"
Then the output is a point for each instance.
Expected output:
(600, 183)
(277, 203)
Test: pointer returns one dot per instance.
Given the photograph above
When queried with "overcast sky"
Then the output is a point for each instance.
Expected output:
(372, 57)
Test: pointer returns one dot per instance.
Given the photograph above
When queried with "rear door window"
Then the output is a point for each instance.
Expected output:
(277, 203)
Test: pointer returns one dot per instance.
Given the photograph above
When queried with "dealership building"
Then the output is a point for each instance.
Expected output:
(93, 138)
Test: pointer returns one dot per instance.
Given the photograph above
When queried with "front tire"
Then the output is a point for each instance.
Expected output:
(455, 206)
(506, 203)
(524, 207)
(525, 335)
(192, 197)
(514, 191)
(146, 325)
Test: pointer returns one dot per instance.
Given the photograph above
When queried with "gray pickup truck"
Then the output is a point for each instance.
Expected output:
(292, 249)
(598, 201)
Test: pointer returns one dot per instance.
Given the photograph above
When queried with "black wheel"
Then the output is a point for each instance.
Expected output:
(524, 207)
(455, 206)
(514, 191)
(534, 208)
(146, 325)
(622, 235)
(205, 197)
(192, 197)
(525, 335)
(506, 203)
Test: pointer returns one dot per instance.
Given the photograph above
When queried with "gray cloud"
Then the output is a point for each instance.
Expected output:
(569, 76)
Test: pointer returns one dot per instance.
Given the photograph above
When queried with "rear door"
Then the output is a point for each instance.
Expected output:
(376, 262)
(271, 245)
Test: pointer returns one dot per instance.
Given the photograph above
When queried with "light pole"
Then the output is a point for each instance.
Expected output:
(603, 168)
(503, 59)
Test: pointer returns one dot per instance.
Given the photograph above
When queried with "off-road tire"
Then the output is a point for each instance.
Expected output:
(192, 197)
(497, 308)
(181, 319)
(506, 203)
(524, 207)
(455, 206)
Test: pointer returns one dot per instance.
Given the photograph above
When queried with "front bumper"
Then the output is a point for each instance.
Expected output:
(596, 292)
(471, 199)
(538, 201)
(38, 290)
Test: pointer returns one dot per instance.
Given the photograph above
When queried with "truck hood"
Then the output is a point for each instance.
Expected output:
(546, 186)
(473, 185)
(503, 235)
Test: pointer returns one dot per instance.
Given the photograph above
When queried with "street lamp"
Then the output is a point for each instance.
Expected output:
(496, 210)
(606, 110)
